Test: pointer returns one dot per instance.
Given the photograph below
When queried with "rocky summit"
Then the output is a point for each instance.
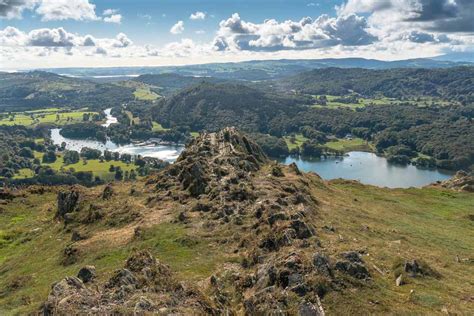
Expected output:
(227, 231)
(224, 182)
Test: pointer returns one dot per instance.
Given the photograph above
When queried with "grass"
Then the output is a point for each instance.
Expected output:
(299, 140)
(100, 169)
(157, 127)
(51, 116)
(24, 173)
(194, 134)
(430, 225)
(422, 101)
(145, 94)
(30, 236)
(346, 145)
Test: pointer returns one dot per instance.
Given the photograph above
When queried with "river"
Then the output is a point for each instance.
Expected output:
(164, 152)
(365, 167)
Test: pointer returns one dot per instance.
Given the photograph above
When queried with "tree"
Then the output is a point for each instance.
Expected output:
(71, 157)
(26, 152)
(49, 157)
(118, 174)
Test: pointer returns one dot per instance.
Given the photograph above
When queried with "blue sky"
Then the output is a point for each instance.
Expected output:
(146, 32)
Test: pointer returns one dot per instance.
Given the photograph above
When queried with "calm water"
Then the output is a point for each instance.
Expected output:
(365, 167)
(368, 168)
(164, 152)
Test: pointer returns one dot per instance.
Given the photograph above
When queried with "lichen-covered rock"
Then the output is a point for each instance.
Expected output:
(67, 202)
(144, 284)
(108, 192)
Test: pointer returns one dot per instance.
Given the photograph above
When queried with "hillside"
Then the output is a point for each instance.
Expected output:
(172, 82)
(449, 84)
(261, 69)
(208, 106)
(225, 230)
(37, 89)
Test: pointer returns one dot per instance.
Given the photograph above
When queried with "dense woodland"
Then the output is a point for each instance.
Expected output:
(441, 131)
(456, 84)
(38, 89)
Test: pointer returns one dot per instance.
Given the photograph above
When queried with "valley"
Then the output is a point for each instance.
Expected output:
(327, 191)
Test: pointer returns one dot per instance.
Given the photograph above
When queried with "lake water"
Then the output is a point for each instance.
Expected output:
(164, 152)
(368, 168)
(365, 167)
(110, 119)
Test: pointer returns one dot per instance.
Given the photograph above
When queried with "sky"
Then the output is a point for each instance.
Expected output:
(106, 33)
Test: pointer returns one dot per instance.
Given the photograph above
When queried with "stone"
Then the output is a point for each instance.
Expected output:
(321, 263)
(108, 192)
(122, 277)
(277, 172)
(399, 281)
(354, 269)
(67, 202)
(309, 309)
(143, 304)
(87, 274)
(352, 256)
(302, 230)
(272, 219)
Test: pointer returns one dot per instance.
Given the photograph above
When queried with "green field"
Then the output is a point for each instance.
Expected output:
(299, 140)
(331, 103)
(421, 101)
(100, 169)
(145, 94)
(346, 145)
(158, 127)
(50, 115)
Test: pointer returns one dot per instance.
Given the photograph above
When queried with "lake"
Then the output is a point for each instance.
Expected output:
(365, 167)
(369, 168)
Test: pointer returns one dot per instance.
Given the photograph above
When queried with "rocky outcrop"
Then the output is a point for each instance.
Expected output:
(264, 213)
(461, 181)
(142, 285)
(67, 202)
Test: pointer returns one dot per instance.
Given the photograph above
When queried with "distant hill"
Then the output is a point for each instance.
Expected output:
(209, 106)
(260, 69)
(171, 82)
(38, 89)
(451, 84)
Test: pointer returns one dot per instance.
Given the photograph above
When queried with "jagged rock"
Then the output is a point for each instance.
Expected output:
(302, 229)
(321, 263)
(272, 219)
(354, 269)
(294, 168)
(461, 181)
(108, 192)
(352, 256)
(142, 275)
(143, 304)
(67, 202)
(87, 274)
(310, 309)
(277, 172)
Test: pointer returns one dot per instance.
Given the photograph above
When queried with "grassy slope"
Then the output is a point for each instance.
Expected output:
(428, 224)
(347, 145)
(100, 169)
(45, 116)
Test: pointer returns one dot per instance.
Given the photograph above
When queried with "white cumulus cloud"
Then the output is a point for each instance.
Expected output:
(58, 10)
(198, 15)
(178, 28)
(114, 18)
